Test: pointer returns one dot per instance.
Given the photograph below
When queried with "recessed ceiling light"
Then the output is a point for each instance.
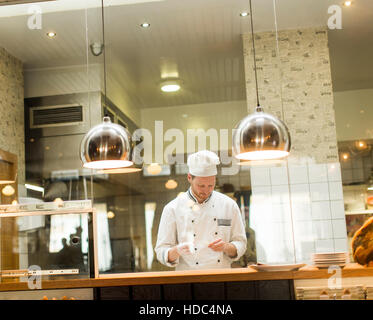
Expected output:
(170, 86)
(345, 156)
(348, 3)
(361, 145)
(244, 14)
(145, 25)
(51, 34)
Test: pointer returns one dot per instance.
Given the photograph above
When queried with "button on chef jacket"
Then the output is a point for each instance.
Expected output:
(185, 220)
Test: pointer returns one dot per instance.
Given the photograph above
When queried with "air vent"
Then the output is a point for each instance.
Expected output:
(53, 116)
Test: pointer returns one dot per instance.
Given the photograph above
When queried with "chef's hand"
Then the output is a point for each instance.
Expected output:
(228, 248)
(184, 248)
(217, 245)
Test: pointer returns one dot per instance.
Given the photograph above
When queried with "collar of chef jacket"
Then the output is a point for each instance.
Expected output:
(191, 196)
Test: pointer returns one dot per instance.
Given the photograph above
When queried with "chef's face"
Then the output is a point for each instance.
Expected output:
(202, 187)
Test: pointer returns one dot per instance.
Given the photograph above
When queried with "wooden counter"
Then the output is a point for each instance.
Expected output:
(184, 277)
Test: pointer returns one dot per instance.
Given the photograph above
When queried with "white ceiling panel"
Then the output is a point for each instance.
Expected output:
(198, 40)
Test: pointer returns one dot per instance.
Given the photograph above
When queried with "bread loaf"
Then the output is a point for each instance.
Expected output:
(362, 243)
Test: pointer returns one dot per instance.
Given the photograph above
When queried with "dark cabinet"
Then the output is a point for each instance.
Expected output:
(237, 290)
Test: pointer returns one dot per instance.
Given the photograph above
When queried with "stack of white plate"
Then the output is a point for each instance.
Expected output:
(327, 259)
(313, 293)
(369, 293)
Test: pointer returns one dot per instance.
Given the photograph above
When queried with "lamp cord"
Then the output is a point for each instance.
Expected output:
(253, 41)
(104, 51)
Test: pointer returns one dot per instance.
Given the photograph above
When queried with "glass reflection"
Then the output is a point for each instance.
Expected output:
(313, 202)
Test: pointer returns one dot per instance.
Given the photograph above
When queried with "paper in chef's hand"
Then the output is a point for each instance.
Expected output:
(185, 248)
(217, 245)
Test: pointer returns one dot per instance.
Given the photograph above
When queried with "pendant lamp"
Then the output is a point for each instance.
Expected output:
(107, 145)
(260, 136)
(137, 164)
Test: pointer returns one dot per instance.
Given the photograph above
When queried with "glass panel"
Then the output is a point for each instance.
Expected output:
(58, 86)
(201, 45)
(352, 84)
(50, 91)
(38, 246)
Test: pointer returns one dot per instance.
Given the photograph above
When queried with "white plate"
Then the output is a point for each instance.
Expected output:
(328, 255)
(277, 267)
(322, 266)
(329, 261)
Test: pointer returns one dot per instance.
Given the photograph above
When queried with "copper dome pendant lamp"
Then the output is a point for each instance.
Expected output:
(107, 145)
(260, 136)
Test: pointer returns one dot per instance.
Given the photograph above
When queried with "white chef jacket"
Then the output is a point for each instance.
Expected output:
(186, 220)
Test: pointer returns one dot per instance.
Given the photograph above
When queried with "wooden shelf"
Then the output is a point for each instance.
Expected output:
(195, 276)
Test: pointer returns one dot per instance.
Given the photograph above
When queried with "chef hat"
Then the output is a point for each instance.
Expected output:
(203, 163)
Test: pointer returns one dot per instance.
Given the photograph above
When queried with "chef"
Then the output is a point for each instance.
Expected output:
(201, 228)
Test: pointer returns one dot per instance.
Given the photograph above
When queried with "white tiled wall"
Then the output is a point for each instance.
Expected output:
(296, 211)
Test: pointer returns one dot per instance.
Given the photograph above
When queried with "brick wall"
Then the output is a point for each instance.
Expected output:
(297, 205)
(12, 109)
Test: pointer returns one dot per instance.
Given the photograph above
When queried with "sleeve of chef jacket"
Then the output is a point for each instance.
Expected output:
(238, 233)
(166, 238)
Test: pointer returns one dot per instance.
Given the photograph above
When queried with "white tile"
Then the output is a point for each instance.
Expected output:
(322, 229)
(262, 192)
(339, 228)
(336, 191)
(320, 210)
(304, 250)
(301, 212)
(261, 213)
(279, 176)
(337, 209)
(303, 231)
(280, 194)
(298, 174)
(317, 173)
(260, 176)
(319, 191)
(324, 246)
(281, 212)
(300, 193)
(340, 245)
(334, 172)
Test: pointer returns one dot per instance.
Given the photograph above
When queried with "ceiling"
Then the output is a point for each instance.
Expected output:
(198, 40)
